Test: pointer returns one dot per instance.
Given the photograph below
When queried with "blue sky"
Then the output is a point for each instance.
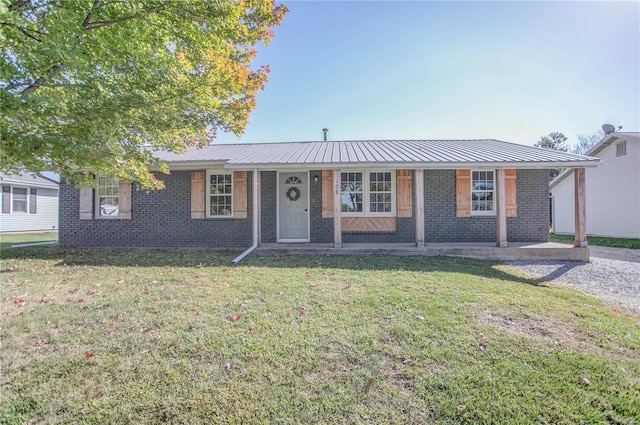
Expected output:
(512, 71)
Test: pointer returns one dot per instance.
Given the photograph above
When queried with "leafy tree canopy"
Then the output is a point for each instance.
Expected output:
(555, 140)
(86, 84)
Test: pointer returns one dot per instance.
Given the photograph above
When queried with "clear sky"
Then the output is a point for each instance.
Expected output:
(512, 71)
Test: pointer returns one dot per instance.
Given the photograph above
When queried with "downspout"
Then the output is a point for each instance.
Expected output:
(256, 218)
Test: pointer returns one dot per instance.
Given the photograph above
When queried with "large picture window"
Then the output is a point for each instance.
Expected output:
(368, 193)
(220, 194)
(482, 193)
(108, 197)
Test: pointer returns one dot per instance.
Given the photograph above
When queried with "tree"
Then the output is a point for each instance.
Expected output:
(555, 140)
(587, 141)
(86, 85)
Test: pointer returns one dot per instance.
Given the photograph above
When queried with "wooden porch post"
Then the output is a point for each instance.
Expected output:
(337, 207)
(501, 209)
(257, 210)
(580, 208)
(419, 185)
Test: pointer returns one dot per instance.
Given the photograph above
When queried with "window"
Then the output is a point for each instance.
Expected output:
(18, 200)
(482, 193)
(108, 197)
(368, 193)
(621, 148)
(220, 194)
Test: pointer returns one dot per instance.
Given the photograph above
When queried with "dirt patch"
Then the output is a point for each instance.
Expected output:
(547, 331)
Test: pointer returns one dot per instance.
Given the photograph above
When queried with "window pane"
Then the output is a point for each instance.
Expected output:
(19, 199)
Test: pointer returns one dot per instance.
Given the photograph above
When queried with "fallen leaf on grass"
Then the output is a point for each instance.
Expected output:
(482, 346)
(227, 367)
(284, 293)
(303, 311)
(80, 300)
(313, 285)
(20, 302)
(346, 287)
(419, 317)
(88, 356)
(197, 349)
(235, 318)
(583, 380)
(250, 330)
(307, 274)
(512, 302)
(409, 362)
(40, 343)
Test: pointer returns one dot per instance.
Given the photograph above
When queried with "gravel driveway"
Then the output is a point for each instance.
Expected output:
(613, 275)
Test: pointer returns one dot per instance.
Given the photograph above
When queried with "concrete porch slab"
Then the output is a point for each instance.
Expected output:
(516, 251)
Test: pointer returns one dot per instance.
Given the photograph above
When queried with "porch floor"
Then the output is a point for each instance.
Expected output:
(516, 251)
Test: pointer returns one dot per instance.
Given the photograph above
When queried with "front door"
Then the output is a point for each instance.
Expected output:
(293, 207)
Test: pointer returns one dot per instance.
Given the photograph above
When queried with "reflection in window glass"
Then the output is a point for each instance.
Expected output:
(220, 193)
(351, 192)
(482, 192)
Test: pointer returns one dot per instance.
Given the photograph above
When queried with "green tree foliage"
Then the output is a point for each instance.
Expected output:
(86, 84)
(587, 141)
(555, 140)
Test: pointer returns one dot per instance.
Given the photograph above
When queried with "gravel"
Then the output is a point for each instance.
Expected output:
(612, 275)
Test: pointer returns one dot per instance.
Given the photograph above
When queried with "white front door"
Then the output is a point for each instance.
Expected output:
(293, 207)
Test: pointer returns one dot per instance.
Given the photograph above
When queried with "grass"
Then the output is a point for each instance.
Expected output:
(183, 337)
(599, 241)
(8, 239)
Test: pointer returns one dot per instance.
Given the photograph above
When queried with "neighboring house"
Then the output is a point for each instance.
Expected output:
(29, 203)
(612, 190)
(333, 192)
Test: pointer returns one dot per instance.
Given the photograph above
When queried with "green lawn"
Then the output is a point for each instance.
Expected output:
(599, 241)
(184, 337)
(6, 240)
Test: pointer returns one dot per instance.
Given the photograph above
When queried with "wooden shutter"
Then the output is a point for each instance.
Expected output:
(197, 194)
(33, 201)
(240, 194)
(124, 200)
(86, 203)
(510, 188)
(6, 199)
(404, 192)
(327, 194)
(463, 193)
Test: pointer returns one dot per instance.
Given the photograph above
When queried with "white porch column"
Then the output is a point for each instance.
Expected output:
(580, 208)
(337, 210)
(419, 195)
(501, 209)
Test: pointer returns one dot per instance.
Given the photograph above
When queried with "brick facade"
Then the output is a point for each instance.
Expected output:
(159, 219)
(163, 218)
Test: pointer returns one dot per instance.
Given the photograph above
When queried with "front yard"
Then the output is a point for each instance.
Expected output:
(184, 337)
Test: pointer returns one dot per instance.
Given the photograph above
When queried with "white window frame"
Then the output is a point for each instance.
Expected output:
(366, 193)
(208, 192)
(27, 199)
(97, 198)
(484, 213)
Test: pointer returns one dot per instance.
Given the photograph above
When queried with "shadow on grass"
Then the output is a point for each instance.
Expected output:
(190, 258)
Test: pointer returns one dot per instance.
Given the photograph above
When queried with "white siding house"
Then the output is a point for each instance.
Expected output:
(29, 203)
(613, 190)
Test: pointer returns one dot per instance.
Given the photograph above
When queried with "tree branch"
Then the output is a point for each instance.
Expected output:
(19, 5)
(88, 25)
(40, 81)
(24, 31)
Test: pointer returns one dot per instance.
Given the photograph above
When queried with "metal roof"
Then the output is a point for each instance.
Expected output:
(379, 153)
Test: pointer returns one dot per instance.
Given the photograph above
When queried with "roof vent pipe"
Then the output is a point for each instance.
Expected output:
(325, 131)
